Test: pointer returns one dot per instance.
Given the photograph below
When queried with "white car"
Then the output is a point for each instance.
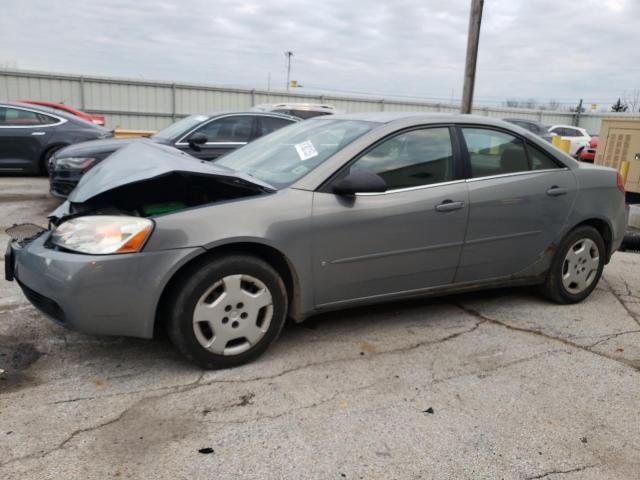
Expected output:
(578, 136)
(300, 110)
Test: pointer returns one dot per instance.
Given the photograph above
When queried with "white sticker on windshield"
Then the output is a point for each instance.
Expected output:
(306, 150)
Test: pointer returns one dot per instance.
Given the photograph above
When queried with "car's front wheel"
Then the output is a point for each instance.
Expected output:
(227, 312)
(577, 266)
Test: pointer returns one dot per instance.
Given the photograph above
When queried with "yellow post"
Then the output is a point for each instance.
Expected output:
(120, 133)
(565, 145)
(624, 170)
(555, 140)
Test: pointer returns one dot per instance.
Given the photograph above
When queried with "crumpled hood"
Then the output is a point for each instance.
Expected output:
(99, 148)
(142, 163)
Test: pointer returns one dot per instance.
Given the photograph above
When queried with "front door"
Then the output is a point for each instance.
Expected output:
(407, 238)
(519, 201)
(224, 135)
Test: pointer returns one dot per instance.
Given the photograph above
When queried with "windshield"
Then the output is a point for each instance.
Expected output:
(179, 128)
(288, 154)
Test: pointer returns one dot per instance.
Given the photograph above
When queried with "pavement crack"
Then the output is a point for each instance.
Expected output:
(403, 349)
(606, 338)
(198, 383)
(561, 472)
(618, 297)
(542, 334)
(483, 373)
(61, 445)
(319, 403)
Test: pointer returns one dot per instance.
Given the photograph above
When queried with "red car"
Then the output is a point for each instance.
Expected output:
(97, 119)
(589, 154)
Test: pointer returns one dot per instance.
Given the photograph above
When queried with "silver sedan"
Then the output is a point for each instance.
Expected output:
(325, 214)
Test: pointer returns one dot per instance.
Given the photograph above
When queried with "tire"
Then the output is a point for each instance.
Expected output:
(578, 152)
(573, 276)
(44, 163)
(226, 312)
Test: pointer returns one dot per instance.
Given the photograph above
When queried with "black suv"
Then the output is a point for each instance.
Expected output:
(205, 136)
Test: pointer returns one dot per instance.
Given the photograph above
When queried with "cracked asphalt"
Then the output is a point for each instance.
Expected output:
(497, 384)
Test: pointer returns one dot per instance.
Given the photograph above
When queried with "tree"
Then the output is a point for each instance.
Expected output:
(619, 106)
(632, 99)
(553, 105)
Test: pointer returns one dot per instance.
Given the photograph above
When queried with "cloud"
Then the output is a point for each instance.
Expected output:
(543, 48)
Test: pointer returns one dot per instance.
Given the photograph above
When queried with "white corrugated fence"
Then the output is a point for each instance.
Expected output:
(152, 105)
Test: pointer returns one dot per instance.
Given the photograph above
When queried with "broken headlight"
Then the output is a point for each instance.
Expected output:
(103, 234)
(74, 163)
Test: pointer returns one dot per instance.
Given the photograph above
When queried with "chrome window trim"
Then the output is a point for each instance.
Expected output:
(464, 180)
(220, 144)
(410, 189)
(60, 119)
(219, 117)
(514, 174)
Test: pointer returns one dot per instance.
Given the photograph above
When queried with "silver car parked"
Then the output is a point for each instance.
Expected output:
(328, 213)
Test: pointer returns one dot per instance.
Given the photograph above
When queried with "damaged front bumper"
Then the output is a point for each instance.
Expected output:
(95, 294)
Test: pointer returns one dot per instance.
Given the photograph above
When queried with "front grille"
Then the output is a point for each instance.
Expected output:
(42, 303)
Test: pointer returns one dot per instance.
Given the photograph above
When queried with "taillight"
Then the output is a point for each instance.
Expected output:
(620, 183)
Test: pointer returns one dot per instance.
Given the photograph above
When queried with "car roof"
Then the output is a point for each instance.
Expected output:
(566, 126)
(528, 120)
(316, 107)
(255, 113)
(57, 106)
(415, 117)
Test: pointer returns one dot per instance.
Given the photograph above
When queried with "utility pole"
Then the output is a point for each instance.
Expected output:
(475, 18)
(288, 54)
(578, 112)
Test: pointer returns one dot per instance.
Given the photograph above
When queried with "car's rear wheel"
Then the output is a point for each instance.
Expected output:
(45, 167)
(578, 152)
(227, 312)
(577, 266)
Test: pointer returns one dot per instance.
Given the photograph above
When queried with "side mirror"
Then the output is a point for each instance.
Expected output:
(196, 140)
(360, 182)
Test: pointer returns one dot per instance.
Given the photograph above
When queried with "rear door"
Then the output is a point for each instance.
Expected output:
(224, 135)
(24, 134)
(267, 124)
(406, 239)
(519, 201)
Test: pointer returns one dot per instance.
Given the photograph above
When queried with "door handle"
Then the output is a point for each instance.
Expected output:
(449, 206)
(556, 191)
(38, 133)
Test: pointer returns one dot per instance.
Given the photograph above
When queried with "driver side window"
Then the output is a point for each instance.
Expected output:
(411, 159)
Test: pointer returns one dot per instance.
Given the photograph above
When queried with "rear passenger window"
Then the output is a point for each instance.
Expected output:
(539, 160)
(411, 159)
(271, 124)
(16, 117)
(494, 153)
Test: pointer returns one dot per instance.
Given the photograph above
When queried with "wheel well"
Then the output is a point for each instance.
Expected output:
(44, 155)
(603, 228)
(269, 254)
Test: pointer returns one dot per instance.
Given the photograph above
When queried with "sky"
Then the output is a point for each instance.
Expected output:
(542, 49)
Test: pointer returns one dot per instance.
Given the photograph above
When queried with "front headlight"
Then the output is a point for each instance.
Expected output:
(75, 163)
(103, 234)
